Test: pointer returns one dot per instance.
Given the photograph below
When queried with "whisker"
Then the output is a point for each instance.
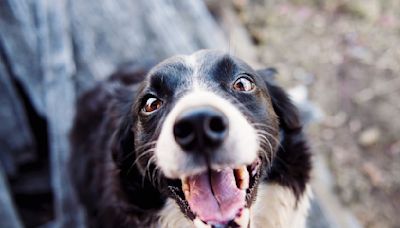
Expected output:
(146, 145)
(260, 126)
(147, 152)
(156, 176)
(280, 146)
(147, 169)
(264, 141)
(138, 150)
(269, 134)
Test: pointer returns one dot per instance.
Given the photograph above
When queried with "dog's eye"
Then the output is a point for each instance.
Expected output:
(243, 84)
(152, 104)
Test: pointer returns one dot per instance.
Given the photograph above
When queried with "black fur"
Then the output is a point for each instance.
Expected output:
(292, 165)
(114, 192)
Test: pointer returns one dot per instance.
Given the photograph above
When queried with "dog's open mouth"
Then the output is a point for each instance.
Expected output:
(220, 197)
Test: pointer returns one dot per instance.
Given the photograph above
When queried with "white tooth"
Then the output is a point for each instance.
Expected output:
(254, 172)
(244, 218)
(242, 176)
(200, 224)
(185, 187)
(185, 184)
(187, 194)
(254, 167)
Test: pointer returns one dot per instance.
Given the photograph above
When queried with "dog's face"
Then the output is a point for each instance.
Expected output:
(206, 126)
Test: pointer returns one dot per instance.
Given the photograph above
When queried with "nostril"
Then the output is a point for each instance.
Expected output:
(215, 130)
(184, 132)
(217, 124)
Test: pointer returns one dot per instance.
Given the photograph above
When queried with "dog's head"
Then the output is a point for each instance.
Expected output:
(206, 128)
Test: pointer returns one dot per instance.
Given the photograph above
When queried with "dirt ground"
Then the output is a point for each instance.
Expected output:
(347, 53)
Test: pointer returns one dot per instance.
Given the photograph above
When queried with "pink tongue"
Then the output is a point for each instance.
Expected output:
(217, 202)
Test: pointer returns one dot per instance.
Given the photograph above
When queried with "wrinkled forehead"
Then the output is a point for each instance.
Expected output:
(203, 68)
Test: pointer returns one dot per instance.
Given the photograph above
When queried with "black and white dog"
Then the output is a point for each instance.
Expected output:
(197, 141)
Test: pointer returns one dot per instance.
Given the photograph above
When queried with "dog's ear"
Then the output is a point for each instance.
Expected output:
(140, 191)
(127, 75)
(283, 106)
(122, 144)
(292, 169)
(131, 73)
(123, 118)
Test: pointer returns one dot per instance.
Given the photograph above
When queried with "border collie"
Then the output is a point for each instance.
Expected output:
(196, 141)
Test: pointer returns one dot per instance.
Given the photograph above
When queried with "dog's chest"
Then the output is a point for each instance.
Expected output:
(275, 207)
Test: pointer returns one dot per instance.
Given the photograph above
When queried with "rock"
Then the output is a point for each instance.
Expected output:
(368, 9)
(355, 125)
(369, 137)
(373, 173)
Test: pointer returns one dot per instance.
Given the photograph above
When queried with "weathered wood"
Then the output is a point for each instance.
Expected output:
(16, 140)
(106, 34)
(8, 216)
(19, 39)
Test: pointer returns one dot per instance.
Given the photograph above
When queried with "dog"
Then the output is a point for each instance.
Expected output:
(195, 141)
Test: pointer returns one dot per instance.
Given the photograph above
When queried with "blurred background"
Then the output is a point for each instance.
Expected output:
(338, 59)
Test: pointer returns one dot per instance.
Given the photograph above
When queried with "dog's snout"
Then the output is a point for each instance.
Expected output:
(200, 129)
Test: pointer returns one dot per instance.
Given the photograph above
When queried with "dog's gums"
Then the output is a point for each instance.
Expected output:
(220, 197)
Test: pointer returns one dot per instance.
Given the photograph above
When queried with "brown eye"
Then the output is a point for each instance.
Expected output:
(243, 84)
(152, 104)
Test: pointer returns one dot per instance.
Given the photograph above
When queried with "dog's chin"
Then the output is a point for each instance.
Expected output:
(218, 198)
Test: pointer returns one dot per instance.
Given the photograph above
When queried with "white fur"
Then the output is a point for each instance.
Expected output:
(240, 146)
(172, 217)
(275, 207)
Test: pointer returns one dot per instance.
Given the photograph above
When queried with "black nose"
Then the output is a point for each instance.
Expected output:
(200, 129)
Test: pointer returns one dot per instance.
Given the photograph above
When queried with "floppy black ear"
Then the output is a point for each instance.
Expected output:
(293, 164)
(131, 73)
(284, 108)
(140, 191)
(126, 76)
(122, 145)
